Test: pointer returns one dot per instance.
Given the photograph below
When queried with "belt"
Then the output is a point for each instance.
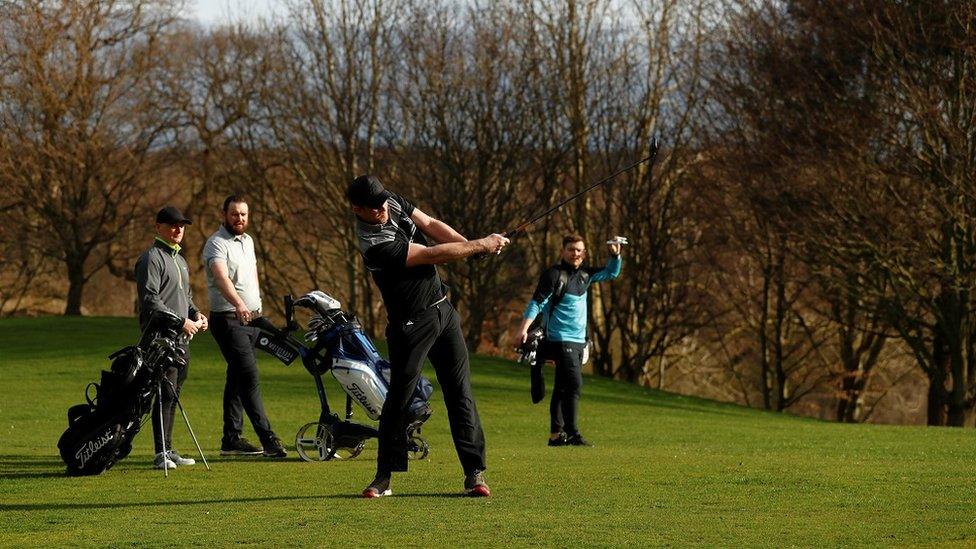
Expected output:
(233, 314)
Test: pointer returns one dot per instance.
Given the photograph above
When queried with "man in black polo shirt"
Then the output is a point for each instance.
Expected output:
(422, 324)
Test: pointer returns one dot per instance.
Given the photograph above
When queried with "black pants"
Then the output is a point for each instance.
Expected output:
(564, 406)
(242, 391)
(434, 334)
(170, 391)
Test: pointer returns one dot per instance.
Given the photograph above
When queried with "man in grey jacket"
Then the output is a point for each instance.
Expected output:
(163, 283)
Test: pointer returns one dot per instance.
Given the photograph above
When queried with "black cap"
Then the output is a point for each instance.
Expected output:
(171, 215)
(367, 191)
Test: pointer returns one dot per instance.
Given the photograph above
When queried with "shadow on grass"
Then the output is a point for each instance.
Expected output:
(693, 405)
(47, 474)
(155, 503)
(25, 461)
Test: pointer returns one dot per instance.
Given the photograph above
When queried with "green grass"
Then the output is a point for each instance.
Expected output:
(666, 469)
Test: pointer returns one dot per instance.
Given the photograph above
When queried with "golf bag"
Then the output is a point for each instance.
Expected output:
(342, 347)
(100, 431)
(334, 341)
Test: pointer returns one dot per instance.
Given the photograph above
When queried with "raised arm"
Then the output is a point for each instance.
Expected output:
(612, 268)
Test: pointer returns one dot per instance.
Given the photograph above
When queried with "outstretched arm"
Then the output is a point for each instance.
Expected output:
(418, 254)
(435, 228)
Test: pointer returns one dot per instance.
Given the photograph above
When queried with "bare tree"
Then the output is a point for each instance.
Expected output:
(651, 89)
(77, 119)
(462, 101)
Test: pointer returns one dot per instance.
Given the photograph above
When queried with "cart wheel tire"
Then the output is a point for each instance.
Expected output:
(417, 448)
(314, 442)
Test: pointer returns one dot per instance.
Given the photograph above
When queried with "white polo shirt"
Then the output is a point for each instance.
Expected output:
(237, 252)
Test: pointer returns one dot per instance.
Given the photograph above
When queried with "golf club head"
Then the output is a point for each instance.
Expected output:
(652, 149)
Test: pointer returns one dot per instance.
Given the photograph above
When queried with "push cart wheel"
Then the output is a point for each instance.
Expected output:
(345, 452)
(314, 442)
(417, 447)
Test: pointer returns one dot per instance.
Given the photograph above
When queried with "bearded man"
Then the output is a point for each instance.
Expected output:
(235, 305)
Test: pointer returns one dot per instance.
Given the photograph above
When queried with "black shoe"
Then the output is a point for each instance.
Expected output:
(274, 449)
(577, 440)
(239, 447)
(379, 487)
(561, 441)
(475, 485)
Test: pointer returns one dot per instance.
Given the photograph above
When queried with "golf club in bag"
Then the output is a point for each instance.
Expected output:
(335, 342)
(100, 431)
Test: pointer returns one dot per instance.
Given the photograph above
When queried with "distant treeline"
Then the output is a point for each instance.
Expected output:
(805, 241)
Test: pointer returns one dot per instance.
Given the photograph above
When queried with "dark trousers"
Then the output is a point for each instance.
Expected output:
(434, 334)
(242, 391)
(170, 390)
(566, 389)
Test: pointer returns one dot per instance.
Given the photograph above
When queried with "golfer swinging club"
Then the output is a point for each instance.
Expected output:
(393, 240)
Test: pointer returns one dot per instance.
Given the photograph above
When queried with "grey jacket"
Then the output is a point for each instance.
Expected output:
(163, 283)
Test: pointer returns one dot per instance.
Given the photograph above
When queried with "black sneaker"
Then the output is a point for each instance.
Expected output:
(577, 440)
(274, 449)
(239, 447)
(561, 441)
(475, 485)
(379, 487)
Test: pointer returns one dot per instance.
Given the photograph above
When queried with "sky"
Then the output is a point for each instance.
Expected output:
(216, 11)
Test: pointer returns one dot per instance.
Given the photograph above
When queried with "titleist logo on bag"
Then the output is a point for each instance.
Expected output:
(88, 450)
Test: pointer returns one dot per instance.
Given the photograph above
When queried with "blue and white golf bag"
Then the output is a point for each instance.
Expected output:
(355, 363)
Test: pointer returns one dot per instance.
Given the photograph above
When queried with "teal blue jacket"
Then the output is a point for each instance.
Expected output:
(567, 323)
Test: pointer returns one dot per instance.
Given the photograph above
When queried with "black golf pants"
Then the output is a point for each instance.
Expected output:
(563, 407)
(242, 391)
(170, 392)
(435, 334)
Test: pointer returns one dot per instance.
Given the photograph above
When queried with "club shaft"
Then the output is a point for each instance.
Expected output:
(193, 436)
(563, 202)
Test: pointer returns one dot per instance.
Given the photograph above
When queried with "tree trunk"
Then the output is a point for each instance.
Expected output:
(763, 344)
(957, 405)
(76, 286)
(936, 410)
(778, 320)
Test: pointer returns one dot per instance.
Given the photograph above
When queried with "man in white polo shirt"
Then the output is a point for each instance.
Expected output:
(235, 302)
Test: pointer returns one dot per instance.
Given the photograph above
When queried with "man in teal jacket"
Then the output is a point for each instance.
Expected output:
(561, 298)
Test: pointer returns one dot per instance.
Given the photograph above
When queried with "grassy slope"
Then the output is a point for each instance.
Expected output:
(666, 470)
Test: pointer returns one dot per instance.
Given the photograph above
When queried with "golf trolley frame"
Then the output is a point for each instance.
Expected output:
(330, 437)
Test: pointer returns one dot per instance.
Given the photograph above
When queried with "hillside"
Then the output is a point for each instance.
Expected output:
(665, 469)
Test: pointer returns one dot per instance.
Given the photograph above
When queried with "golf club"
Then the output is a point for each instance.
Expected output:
(652, 154)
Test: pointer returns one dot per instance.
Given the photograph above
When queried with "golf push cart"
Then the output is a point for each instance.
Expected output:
(334, 341)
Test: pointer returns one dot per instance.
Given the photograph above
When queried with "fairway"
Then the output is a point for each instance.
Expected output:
(665, 469)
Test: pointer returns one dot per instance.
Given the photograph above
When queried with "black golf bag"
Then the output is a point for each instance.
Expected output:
(100, 431)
